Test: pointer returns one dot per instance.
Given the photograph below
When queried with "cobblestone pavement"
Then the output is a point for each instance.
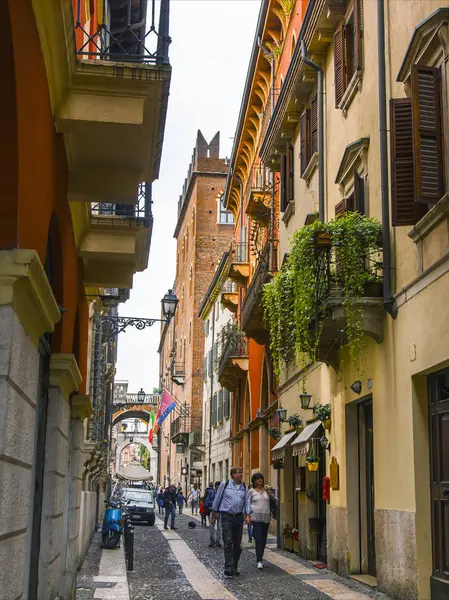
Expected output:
(180, 562)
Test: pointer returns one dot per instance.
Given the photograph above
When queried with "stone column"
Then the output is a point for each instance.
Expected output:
(64, 380)
(27, 310)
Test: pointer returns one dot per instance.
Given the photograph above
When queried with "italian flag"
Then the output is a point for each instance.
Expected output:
(151, 427)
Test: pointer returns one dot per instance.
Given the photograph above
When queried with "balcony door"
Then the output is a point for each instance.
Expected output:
(439, 484)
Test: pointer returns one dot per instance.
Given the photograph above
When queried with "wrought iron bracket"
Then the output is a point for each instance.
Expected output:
(112, 326)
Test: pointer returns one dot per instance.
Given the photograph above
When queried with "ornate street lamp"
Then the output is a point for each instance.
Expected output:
(282, 414)
(141, 396)
(305, 400)
(169, 303)
(113, 324)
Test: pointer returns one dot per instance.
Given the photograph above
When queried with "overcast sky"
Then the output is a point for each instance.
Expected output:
(209, 54)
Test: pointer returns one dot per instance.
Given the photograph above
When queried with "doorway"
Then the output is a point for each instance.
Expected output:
(367, 536)
(439, 482)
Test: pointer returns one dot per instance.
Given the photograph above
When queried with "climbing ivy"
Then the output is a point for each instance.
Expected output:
(338, 257)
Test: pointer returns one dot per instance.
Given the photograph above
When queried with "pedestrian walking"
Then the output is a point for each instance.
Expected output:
(263, 502)
(170, 506)
(215, 531)
(160, 501)
(194, 499)
(233, 503)
(203, 512)
(180, 499)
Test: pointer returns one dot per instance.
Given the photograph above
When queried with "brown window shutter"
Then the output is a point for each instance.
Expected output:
(359, 193)
(350, 203)
(427, 133)
(339, 65)
(340, 209)
(303, 127)
(313, 127)
(405, 211)
(291, 173)
(284, 196)
(358, 26)
(348, 52)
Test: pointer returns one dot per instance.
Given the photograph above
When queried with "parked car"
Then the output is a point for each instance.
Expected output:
(140, 505)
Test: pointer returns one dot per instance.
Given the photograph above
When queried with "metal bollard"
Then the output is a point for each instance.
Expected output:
(131, 549)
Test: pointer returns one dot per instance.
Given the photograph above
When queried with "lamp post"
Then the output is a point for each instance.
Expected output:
(282, 414)
(141, 396)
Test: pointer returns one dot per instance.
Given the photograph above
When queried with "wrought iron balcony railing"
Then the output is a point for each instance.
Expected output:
(141, 213)
(240, 252)
(234, 345)
(123, 30)
(184, 425)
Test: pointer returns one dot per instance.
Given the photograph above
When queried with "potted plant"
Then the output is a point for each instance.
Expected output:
(288, 537)
(323, 240)
(295, 421)
(278, 464)
(312, 462)
(323, 413)
(274, 433)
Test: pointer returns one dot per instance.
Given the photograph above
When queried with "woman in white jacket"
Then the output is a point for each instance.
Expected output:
(261, 500)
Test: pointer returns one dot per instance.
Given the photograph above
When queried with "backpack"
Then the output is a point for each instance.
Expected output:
(210, 497)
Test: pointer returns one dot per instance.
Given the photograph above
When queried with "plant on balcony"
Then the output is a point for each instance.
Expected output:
(295, 300)
(294, 420)
(323, 413)
(274, 432)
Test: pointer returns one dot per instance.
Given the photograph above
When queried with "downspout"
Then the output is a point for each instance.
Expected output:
(211, 396)
(389, 302)
(319, 70)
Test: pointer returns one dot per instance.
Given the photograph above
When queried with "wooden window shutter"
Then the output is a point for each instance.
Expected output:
(358, 26)
(427, 133)
(359, 193)
(340, 209)
(291, 173)
(284, 196)
(313, 127)
(304, 136)
(350, 203)
(348, 51)
(405, 211)
(339, 65)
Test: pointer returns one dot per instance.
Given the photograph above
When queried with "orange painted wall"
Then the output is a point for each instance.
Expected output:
(36, 179)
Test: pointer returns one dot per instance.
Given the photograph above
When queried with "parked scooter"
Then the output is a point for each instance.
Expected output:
(112, 524)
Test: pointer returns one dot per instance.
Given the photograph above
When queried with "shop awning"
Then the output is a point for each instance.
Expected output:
(301, 444)
(280, 448)
(134, 473)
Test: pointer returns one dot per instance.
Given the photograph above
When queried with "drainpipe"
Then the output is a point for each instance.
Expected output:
(389, 302)
(319, 70)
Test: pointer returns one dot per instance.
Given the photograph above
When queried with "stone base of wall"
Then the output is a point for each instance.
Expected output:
(397, 569)
(338, 558)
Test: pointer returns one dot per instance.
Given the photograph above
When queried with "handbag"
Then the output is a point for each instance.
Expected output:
(273, 505)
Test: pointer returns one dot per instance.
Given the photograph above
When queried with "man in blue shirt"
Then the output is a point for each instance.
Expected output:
(233, 503)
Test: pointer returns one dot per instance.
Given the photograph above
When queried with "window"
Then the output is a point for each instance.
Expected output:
(225, 217)
(206, 327)
(347, 51)
(191, 280)
(308, 131)
(226, 403)
(205, 367)
(287, 177)
(214, 410)
(417, 147)
(355, 201)
(220, 405)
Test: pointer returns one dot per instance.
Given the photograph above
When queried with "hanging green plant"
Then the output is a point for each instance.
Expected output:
(322, 411)
(294, 420)
(335, 258)
(274, 432)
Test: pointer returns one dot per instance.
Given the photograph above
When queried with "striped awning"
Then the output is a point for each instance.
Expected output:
(280, 448)
(301, 444)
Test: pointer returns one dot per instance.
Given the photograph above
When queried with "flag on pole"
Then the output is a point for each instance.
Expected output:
(167, 404)
(151, 420)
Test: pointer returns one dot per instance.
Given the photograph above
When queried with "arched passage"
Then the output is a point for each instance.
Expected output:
(140, 411)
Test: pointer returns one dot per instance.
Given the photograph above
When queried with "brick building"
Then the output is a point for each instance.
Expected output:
(203, 232)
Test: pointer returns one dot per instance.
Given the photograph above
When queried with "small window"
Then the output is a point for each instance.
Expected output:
(225, 217)
(355, 201)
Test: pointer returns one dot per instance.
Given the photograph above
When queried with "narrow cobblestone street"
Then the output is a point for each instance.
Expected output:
(180, 562)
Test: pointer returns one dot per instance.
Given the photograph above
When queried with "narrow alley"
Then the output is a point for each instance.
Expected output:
(179, 562)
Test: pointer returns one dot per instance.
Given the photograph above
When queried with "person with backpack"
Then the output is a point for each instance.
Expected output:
(233, 503)
(214, 530)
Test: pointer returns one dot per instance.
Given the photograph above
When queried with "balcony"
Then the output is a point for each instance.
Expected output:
(109, 75)
(239, 263)
(233, 363)
(230, 296)
(114, 239)
(178, 373)
(252, 310)
(182, 427)
(258, 195)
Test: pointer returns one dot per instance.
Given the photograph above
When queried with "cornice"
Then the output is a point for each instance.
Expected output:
(24, 285)
(81, 407)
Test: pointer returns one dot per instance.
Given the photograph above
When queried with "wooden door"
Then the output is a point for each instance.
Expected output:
(369, 462)
(439, 485)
